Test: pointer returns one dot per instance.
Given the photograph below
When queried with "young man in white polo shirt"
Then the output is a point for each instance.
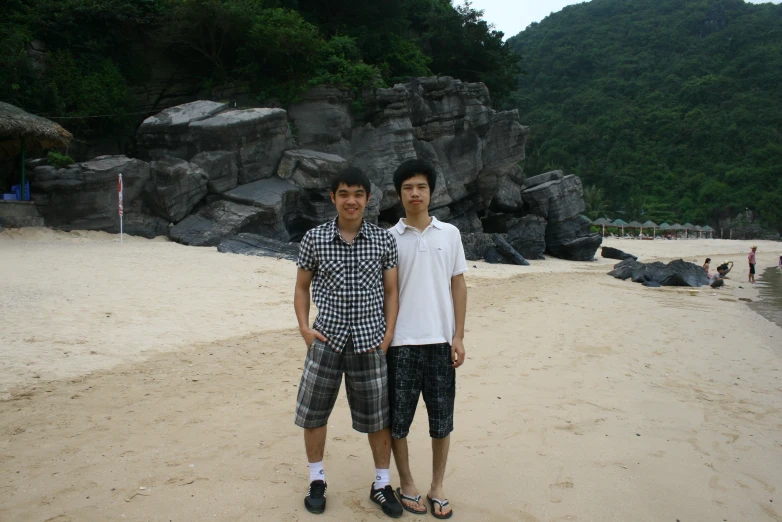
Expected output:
(428, 345)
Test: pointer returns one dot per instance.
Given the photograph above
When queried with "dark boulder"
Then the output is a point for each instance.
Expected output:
(675, 273)
(615, 253)
(571, 239)
(476, 245)
(175, 187)
(527, 236)
(508, 251)
(255, 245)
(495, 257)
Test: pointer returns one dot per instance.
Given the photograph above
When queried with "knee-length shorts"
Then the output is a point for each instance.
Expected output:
(421, 370)
(366, 383)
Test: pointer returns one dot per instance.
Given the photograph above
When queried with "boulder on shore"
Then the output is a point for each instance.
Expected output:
(675, 273)
(615, 253)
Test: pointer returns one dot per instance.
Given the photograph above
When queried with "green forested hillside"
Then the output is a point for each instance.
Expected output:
(97, 50)
(669, 107)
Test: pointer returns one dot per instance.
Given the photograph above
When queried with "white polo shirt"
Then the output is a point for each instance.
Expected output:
(427, 262)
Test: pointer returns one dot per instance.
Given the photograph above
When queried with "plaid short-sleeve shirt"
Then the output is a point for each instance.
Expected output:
(348, 283)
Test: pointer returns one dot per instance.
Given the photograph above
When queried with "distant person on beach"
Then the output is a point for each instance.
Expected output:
(722, 273)
(780, 262)
(352, 267)
(428, 343)
(752, 260)
(706, 264)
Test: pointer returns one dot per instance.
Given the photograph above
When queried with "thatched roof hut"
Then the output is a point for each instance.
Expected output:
(38, 133)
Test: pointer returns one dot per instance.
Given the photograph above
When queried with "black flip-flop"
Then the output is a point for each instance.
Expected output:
(416, 499)
(442, 504)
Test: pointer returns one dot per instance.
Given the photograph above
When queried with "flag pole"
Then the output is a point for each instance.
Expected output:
(121, 212)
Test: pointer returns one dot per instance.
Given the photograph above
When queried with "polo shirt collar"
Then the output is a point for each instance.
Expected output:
(401, 226)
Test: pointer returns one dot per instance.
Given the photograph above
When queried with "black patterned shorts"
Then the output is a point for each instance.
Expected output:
(415, 370)
(366, 383)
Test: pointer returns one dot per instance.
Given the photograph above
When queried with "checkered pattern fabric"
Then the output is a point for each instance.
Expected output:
(366, 382)
(421, 369)
(348, 283)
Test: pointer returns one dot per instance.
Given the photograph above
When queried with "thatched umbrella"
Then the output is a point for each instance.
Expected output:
(677, 227)
(620, 223)
(602, 222)
(708, 229)
(634, 224)
(699, 229)
(21, 131)
(650, 224)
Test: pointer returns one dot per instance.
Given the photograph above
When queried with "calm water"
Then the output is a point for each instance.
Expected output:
(770, 303)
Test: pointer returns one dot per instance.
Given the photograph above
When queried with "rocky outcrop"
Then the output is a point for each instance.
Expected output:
(83, 196)
(267, 171)
(221, 169)
(615, 253)
(217, 221)
(255, 245)
(560, 200)
(528, 236)
(675, 273)
(510, 253)
(257, 136)
(176, 186)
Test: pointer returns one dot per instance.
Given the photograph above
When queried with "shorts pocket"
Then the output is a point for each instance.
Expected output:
(333, 274)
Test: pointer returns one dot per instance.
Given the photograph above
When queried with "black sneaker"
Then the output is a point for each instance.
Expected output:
(386, 499)
(315, 501)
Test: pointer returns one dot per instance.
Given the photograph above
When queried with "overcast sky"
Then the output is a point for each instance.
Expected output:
(513, 16)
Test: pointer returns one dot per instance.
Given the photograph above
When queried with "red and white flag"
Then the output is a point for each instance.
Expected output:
(119, 190)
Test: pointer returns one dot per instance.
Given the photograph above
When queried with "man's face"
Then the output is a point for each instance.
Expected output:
(350, 202)
(416, 194)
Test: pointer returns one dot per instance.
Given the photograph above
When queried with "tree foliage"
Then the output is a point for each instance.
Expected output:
(98, 51)
(673, 102)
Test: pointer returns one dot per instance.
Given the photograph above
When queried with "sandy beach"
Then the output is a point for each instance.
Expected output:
(152, 381)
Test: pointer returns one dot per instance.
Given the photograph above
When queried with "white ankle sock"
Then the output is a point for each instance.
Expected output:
(382, 478)
(317, 472)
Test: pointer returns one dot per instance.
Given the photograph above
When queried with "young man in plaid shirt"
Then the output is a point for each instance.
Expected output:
(351, 266)
(428, 342)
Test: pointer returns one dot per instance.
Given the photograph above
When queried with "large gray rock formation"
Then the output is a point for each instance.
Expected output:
(176, 186)
(528, 236)
(560, 201)
(214, 222)
(267, 171)
(221, 169)
(84, 196)
(257, 136)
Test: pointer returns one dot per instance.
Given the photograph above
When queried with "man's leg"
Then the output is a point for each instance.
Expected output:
(405, 373)
(380, 442)
(366, 383)
(315, 443)
(439, 460)
(406, 482)
(318, 390)
(439, 392)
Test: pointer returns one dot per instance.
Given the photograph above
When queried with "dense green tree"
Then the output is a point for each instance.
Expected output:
(675, 102)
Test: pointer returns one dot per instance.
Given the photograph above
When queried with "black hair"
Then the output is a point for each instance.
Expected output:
(708, 260)
(723, 266)
(411, 168)
(351, 176)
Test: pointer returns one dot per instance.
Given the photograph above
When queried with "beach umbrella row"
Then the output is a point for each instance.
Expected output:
(619, 223)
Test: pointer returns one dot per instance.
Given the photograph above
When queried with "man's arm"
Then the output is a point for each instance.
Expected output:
(301, 303)
(459, 296)
(390, 304)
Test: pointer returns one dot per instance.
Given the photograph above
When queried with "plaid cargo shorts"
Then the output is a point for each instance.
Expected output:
(421, 370)
(366, 383)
